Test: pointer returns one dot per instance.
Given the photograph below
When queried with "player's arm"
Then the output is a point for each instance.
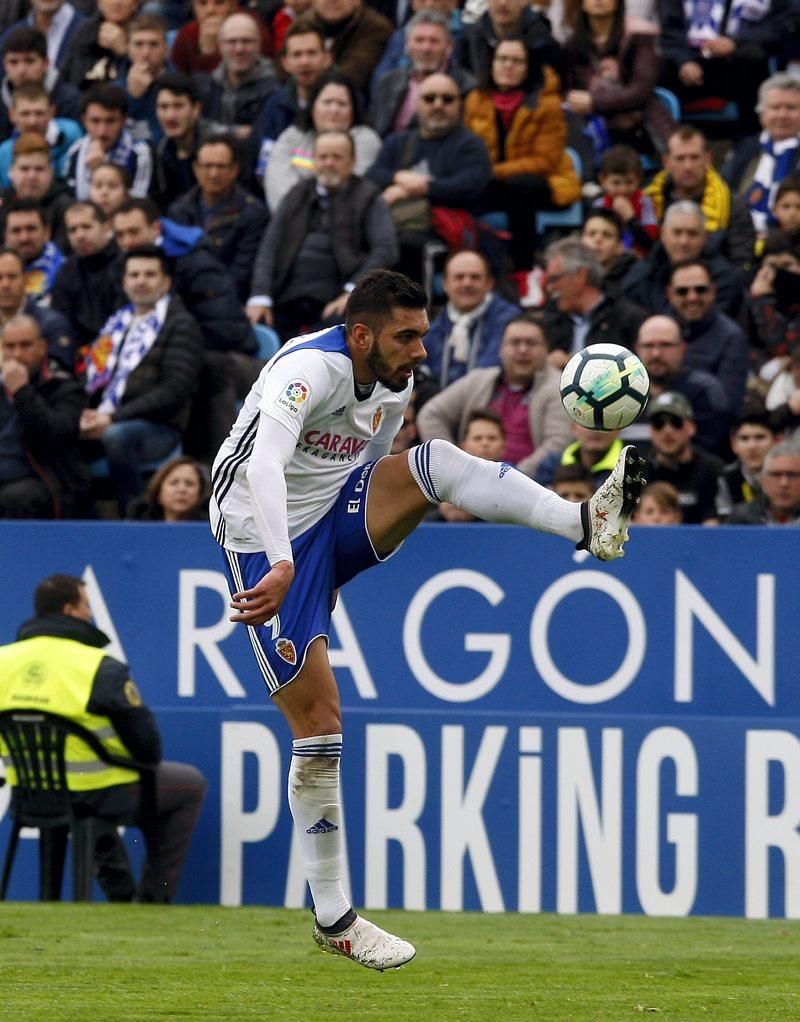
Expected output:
(273, 447)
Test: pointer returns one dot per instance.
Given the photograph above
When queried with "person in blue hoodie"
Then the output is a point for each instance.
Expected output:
(201, 280)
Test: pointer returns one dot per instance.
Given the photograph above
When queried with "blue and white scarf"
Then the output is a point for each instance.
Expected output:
(122, 345)
(705, 19)
(120, 154)
(41, 272)
(776, 162)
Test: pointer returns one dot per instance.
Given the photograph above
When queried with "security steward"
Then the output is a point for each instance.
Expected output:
(57, 664)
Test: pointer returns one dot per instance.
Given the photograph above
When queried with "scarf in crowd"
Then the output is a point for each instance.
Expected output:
(119, 154)
(41, 272)
(715, 200)
(506, 104)
(120, 348)
(705, 19)
(460, 347)
(776, 162)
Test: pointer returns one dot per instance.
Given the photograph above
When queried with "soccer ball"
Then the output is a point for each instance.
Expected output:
(605, 386)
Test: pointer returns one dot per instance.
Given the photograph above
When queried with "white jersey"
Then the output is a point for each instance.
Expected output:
(307, 387)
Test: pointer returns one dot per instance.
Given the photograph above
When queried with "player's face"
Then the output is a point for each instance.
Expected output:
(750, 443)
(398, 349)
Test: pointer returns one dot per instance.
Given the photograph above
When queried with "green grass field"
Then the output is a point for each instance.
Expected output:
(102, 962)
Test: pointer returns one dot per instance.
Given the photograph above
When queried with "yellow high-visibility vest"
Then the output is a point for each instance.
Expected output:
(56, 675)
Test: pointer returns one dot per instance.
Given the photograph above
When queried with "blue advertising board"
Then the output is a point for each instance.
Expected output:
(526, 729)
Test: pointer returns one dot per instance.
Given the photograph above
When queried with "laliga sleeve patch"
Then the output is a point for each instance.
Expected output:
(132, 696)
(293, 396)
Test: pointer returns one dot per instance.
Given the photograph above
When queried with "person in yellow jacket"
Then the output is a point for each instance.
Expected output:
(689, 174)
(518, 114)
(58, 664)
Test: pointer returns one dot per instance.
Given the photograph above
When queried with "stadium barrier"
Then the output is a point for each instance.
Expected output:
(526, 729)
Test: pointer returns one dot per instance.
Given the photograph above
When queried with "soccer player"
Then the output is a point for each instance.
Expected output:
(306, 496)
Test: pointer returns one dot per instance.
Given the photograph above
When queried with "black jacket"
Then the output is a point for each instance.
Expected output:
(767, 34)
(160, 388)
(53, 203)
(49, 409)
(476, 44)
(235, 230)
(111, 691)
(86, 61)
(695, 481)
(646, 283)
(86, 292)
(613, 321)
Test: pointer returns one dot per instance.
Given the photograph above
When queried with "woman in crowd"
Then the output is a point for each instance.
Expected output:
(612, 67)
(177, 492)
(332, 106)
(517, 112)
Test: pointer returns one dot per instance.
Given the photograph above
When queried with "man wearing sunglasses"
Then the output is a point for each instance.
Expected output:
(715, 342)
(675, 459)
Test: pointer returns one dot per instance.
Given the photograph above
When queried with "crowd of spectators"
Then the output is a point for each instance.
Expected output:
(187, 184)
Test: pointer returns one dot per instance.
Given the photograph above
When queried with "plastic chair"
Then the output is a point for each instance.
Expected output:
(34, 741)
(268, 341)
(670, 101)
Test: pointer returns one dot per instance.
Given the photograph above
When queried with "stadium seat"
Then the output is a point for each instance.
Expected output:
(670, 101)
(34, 740)
(268, 341)
(98, 469)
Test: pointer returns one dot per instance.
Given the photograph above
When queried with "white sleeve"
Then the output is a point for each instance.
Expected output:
(274, 446)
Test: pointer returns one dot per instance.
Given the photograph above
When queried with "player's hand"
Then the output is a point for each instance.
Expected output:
(691, 73)
(257, 605)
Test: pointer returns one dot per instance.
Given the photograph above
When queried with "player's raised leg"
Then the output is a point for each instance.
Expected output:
(404, 486)
(310, 704)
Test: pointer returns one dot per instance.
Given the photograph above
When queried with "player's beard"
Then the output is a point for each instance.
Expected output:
(378, 364)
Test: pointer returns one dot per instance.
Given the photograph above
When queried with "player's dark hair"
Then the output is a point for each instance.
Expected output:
(611, 216)
(178, 85)
(379, 292)
(620, 159)
(484, 415)
(26, 40)
(147, 252)
(55, 592)
(109, 97)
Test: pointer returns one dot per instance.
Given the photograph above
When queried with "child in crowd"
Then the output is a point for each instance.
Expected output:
(573, 482)
(752, 436)
(660, 505)
(786, 209)
(602, 233)
(620, 176)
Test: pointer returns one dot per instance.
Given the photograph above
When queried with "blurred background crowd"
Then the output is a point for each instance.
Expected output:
(184, 186)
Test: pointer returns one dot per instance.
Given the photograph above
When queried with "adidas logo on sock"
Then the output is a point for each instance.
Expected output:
(322, 826)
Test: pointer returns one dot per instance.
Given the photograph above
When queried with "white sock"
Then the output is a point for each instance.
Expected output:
(491, 490)
(316, 807)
